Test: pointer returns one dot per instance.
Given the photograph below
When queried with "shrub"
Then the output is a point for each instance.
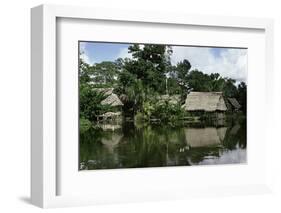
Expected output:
(90, 102)
(168, 112)
(85, 124)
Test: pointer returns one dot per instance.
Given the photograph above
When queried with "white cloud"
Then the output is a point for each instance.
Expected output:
(123, 53)
(86, 59)
(84, 55)
(232, 156)
(230, 63)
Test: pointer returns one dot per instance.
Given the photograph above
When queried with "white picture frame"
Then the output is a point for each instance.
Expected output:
(44, 154)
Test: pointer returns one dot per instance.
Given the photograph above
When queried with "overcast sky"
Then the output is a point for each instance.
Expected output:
(228, 62)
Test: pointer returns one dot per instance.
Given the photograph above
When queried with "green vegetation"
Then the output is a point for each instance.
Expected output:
(141, 81)
(148, 91)
(85, 125)
(90, 102)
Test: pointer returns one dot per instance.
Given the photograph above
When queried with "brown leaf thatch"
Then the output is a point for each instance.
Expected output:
(205, 101)
(111, 99)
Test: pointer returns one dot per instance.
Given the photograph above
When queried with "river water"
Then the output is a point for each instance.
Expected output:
(127, 145)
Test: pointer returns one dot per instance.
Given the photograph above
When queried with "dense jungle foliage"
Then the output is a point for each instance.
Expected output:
(140, 82)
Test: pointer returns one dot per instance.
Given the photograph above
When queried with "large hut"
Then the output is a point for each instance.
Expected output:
(206, 102)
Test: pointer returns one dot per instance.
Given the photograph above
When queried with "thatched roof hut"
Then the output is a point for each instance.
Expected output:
(111, 99)
(234, 103)
(205, 101)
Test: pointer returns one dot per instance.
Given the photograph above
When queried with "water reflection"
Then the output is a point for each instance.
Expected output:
(200, 137)
(134, 146)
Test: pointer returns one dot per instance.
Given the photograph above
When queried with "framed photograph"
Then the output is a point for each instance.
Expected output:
(129, 106)
(146, 105)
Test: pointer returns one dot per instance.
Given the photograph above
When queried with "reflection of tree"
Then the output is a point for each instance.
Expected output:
(236, 136)
(157, 145)
(196, 155)
(97, 148)
(152, 146)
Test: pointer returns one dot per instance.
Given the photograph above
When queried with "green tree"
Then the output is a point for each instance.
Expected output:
(105, 73)
(173, 86)
(198, 81)
(149, 64)
(90, 102)
(242, 96)
(229, 89)
(84, 72)
(182, 71)
(217, 82)
(143, 75)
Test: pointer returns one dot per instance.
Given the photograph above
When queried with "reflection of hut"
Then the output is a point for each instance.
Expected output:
(109, 126)
(205, 102)
(197, 137)
(221, 133)
(233, 104)
(111, 142)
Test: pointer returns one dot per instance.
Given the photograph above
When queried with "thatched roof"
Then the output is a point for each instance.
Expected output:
(205, 101)
(234, 103)
(205, 136)
(111, 99)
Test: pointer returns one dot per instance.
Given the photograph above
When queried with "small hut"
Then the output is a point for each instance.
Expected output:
(210, 102)
(113, 100)
(112, 141)
(233, 104)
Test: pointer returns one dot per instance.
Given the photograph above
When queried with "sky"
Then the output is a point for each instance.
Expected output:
(228, 62)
